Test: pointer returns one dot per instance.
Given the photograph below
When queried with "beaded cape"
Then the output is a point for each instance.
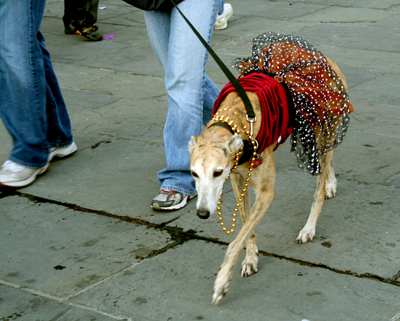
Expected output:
(322, 106)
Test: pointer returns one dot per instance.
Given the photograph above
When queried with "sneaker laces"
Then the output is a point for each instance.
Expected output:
(165, 191)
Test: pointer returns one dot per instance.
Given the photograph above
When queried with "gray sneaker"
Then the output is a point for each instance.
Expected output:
(169, 200)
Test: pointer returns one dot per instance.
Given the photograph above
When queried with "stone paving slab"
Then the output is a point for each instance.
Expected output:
(384, 4)
(354, 36)
(25, 306)
(121, 120)
(60, 251)
(119, 184)
(347, 15)
(357, 230)
(362, 58)
(183, 278)
(87, 208)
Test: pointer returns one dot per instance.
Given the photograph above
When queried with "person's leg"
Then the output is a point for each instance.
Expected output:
(59, 132)
(186, 86)
(211, 93)
(23, 80)
(30, 89)
(158, 29)
(91, 12)
(221, 8)
(70, 7)
(80, 17)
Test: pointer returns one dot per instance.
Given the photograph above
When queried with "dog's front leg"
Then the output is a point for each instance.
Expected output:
(308, 231)
(225, 274)
(249, 265)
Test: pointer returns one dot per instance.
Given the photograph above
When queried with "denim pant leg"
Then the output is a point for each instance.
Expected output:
(59, 132)
(28, 84)
(191, 93)
(221, 8)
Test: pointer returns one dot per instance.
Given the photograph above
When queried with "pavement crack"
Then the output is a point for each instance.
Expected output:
(393, 280)
(179, 236)
(38, 199)
(396, 277)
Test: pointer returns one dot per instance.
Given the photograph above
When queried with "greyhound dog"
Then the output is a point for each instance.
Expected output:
(214, 157)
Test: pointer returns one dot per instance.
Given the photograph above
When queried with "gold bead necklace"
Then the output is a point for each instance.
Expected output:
(235, 165)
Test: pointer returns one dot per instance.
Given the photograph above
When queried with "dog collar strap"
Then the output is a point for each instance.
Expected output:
(224, 125)
(248, 148)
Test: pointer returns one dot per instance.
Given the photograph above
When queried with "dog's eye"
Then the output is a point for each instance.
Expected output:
(194, 174)
(217, 173)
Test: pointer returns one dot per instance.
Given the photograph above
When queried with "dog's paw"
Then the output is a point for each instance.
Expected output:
(249, 265)
(248, 269)
(306, 235)
(221, 287)
(330, 191)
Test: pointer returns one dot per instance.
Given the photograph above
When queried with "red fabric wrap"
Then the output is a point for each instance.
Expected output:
(274, 108)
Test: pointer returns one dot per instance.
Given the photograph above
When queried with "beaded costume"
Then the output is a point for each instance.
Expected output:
(322, 107)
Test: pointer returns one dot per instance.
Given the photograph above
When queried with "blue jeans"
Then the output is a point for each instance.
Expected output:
(221, 8)
(191, 93)
(31, 104)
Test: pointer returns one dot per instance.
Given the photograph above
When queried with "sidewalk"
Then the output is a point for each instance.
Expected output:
(82, 242)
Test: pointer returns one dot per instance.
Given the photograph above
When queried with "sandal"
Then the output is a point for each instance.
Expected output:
(89, 33)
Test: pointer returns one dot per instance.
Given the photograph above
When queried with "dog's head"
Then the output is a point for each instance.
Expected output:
(211, 160)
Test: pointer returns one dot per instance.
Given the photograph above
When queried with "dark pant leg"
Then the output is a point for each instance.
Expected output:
(91, 13)
(80, 13)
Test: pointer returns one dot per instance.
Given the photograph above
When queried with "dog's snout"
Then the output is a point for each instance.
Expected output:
(203, 214)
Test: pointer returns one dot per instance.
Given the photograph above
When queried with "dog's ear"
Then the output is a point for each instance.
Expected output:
(234, 143)
(191, 144)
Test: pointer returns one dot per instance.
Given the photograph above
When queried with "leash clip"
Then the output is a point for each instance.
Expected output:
(251, 121)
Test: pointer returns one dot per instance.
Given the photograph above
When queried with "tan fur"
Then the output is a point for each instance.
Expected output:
(213, 151)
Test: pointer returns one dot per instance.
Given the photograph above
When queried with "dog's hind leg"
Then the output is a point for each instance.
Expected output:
(249, 265)
(308, 231)
(331, 182)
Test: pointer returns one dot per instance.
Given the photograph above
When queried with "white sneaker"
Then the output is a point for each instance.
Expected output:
(15, 175)
(61, 151)
(222, 20)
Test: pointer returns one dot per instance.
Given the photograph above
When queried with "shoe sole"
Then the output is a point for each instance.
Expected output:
(30, 179)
